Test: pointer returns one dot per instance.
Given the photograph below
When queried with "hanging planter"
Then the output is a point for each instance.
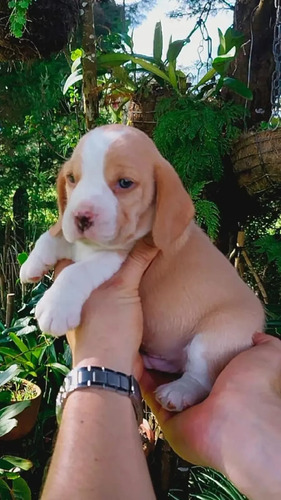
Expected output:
(142, 107)
(49, 24)
(256, 159)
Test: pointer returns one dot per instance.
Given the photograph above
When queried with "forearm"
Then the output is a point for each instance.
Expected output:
(98, 452)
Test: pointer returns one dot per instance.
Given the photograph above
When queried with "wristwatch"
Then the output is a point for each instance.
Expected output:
(104, 378)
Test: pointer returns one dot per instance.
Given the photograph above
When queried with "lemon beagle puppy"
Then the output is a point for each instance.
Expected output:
(198, 313)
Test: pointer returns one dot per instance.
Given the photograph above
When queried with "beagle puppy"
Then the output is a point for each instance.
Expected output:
(198, 313)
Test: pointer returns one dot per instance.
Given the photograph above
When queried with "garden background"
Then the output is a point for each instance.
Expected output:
(212, 105)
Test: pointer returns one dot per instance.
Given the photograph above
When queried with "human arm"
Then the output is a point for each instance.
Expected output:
(98, 453)
(236, 430)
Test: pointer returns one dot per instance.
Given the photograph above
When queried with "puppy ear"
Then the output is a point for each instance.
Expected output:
(174, 207)
(56, 229)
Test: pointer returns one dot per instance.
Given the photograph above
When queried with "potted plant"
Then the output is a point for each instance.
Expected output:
(20, 398)
(256, 159)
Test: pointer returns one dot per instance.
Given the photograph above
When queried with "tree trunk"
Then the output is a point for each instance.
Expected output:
(255, 62)
(89, 65)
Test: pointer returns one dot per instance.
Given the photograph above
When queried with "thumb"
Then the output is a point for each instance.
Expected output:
(137, 262)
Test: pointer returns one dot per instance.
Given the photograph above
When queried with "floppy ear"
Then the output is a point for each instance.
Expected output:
(174, 207)
(56, 229)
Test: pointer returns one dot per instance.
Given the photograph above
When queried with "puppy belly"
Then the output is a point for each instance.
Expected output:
(152, 362)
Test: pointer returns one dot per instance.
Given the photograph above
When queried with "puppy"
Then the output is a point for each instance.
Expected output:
(198, 313)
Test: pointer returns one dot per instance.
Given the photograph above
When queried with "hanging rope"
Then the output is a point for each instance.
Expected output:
(275, 119)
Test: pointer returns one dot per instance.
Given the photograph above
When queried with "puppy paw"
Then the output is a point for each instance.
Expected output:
(33, 269)
(180, 394)
(58, 312)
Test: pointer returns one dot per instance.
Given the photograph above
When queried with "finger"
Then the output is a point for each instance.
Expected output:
(263, 338)
(61, 264)
(137, 262)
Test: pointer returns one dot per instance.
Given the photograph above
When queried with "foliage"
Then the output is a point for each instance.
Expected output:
(208, 484)
(190, 8)
(230, 44)
(7, 413)
(18, 16)
(12, 486)
(194, 136)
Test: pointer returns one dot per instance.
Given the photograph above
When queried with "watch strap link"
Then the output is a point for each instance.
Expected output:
(105, 378)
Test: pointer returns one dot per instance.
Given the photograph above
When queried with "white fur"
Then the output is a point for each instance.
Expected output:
(44, 256)
(195, 383)
(95, 196)
(60, 308)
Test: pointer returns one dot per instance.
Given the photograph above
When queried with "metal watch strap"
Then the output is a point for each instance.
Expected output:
(96, 376)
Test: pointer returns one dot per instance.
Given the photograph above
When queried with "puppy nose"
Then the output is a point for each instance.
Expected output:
(84, 220)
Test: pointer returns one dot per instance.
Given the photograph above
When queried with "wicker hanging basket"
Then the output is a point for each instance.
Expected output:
(142, 107)
(256, 159)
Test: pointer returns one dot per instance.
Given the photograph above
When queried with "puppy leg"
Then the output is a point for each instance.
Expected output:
(47, 251)
(60, 308)
(207, 354)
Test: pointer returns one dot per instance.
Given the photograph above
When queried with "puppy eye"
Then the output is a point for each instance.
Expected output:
(71, 178)
(125, 183)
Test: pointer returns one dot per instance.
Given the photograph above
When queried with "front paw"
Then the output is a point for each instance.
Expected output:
(33, 269)
(58, 311)
(180, 394)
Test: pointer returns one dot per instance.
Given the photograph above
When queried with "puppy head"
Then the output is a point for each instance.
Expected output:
(116, 188)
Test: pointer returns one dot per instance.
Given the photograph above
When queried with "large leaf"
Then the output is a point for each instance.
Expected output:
(22, 463)
(8, 374)
(6, 425)
(21, 489)
(73, 78)
(222, 45)
(233, 38)
(175, 48)
(209, 75)
(151, 68)
(59, 367)
(5, 492)
(22, 257)
(21, 346)
(238, 87)
(113, 59)
(221, 63)
(172, 75)
(158, 42)
(13, 410)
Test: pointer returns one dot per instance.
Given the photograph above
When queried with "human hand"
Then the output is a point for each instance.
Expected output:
(111, 327)
(236, 430)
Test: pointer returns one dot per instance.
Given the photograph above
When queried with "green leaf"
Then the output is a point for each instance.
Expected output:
(21, 489)
(5, 492)
(158, 42)
(209, 75)
(222, 45)
(113, 59)
(238, 87)
(233, 38)
(5, 396)
(22, 257)
(8, 374)
(21, 346)
(221, 63)
(11, 411)
(75, 54)
(151, 68)
(174, 49)
(22, 463)
(6, 425)
(172, 75)
(59, 367)
(73, 78)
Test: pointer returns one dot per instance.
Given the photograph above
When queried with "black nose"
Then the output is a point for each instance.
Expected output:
(83, 222)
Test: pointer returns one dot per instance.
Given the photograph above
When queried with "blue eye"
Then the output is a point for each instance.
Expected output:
(125, 183)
